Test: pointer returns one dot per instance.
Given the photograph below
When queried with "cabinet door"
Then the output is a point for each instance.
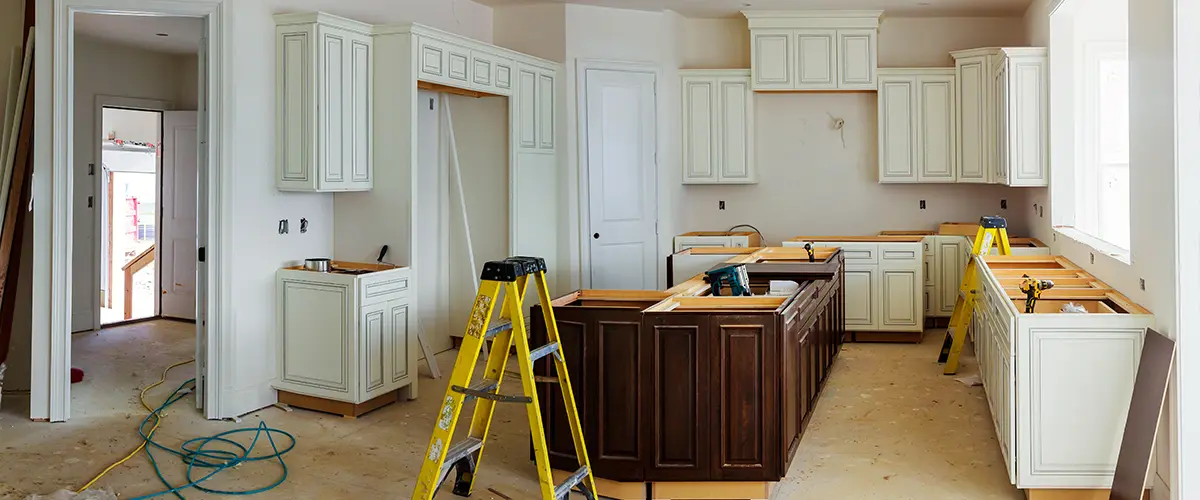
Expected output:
(400, 343)
(678, 447)
(1028, 131)
(952, 266)
(373, 342)
(930, 307)
(545, 109)
(502, 76)
(856, 59)
(898, 129)
(735, 106)
(527, 79)
(482, 69)
(295, 95)
(316, 343)
(743, 394)
(432, 55)
(1000, 138)
(699, 130)
(861, 289)
(333, 100)
(973, 78)
(936, 151)
(901, 290)
(772, 59)
(816, 60)
(685, 242)
(793, 411)
(358, 106)
(458, 65)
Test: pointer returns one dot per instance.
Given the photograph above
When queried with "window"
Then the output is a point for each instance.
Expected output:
(1089, 106)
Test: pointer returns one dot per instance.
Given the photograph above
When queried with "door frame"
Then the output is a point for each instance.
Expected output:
(130, 103)
(581, 199)
(50, 395)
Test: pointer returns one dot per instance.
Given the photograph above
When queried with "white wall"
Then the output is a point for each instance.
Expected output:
(804, 171)
(1152, 191)
(535, 29)
(105, 68)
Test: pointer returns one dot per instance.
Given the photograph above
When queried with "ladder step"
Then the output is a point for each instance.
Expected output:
(496, 328)
(483, 389)
(459, 451)
(561, 490)
(543, 351)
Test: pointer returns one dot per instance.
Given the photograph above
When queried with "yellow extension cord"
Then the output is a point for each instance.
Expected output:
(157, 420)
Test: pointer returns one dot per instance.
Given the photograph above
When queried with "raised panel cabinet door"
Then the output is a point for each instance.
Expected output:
(953, 266)
(481, 69)
(576, 333)
(937, 128)
(735, 104)
(1029, 130)
(400, 343)
(772, 59)
(545, 109)
(527, 107)
(743, 391)
(898, 129)
(373, 330)
(901, 290)
(699, 130)
(792, 409)
(458, 64)
(358, 134)
(973, 76)
(503, 75)
(333, 116)
(816, 60)
(432, 56)
(856, 58)
(678, 400)
(614, 441)
(295, 73)
(316, 352)
(861, 291)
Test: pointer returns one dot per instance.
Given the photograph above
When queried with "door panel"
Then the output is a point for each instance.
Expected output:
(743, 391)
(901, 288)
(860, 294)
(816, 54)
(953, 266)
(180, 156)
(772, 59)
(699, 120)
(526, 108)
(373, 324)
(736, 110)
(678, 416)
(856, 59)
(937, 128)
(897, 130)
(972, 114)
(621, 138)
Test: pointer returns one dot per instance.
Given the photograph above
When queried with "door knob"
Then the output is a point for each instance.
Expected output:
(596, 236)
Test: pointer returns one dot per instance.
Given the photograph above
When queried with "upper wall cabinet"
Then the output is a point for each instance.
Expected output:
(448, 62)
(323, 78)
(1003, 115)
(718, 127)
(813, 50)
(535, 108)
(917, 125)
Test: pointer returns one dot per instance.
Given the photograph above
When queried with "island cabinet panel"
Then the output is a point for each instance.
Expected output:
(743, 391)
(678, 397)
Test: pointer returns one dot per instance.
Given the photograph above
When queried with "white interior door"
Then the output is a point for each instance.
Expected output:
(177, 222)
(622, 200)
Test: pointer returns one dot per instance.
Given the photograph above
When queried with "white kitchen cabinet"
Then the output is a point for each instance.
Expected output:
(345, 337)
(718, 127)
(324, 106)
(813, 50)
(1040, 369)
(717, 239)
(917, 125)
(884, 284)
(952, 263)
(1003, 116)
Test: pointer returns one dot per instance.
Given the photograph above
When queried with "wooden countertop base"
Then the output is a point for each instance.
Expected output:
(608, 489)
(711, 490)
(1072, 494)
(348, 410)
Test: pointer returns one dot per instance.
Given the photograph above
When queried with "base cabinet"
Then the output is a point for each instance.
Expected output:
(884, 285)
(343, 337)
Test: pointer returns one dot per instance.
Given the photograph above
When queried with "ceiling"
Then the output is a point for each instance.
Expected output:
(732, 8)
(183, 33)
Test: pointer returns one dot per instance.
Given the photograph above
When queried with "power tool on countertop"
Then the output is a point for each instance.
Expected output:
(733, 276)
(1033, 290)
(812, 257)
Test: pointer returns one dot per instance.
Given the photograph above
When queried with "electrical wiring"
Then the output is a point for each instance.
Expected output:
(198, 453)
(760, 235)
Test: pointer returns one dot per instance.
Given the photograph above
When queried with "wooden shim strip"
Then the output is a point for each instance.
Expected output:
(447, 89)
(1145, 408)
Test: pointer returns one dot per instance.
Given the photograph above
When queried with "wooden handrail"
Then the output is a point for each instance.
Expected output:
(137, 264)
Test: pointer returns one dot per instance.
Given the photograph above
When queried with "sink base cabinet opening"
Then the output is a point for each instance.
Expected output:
(692, 395)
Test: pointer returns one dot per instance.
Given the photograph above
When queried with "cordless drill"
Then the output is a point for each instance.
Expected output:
(809, 248)
(733, 276)
(1033, 290)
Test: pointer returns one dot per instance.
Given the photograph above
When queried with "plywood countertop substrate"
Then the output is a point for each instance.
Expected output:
(865, 239)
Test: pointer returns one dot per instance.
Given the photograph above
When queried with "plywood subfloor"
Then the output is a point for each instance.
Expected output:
(889, 426)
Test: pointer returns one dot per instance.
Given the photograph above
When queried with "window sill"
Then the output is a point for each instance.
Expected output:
(1096, 244)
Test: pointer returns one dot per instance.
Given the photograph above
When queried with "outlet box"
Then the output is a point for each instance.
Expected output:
(922, 204)
(721, 205)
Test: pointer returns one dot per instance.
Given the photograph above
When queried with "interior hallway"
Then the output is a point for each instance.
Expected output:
(889, 426)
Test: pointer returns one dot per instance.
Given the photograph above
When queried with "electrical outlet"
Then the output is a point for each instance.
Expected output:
(922, 204)
(1003, 204)
(721, 205)
(1040, 210)
(283, 226)
(1142, 282)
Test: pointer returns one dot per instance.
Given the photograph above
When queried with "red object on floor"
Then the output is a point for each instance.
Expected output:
(76, 375)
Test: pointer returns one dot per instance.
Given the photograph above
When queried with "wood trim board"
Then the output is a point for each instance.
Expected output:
(1145, 408)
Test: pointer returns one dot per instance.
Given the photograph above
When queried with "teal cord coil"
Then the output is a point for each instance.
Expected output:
(208, 456)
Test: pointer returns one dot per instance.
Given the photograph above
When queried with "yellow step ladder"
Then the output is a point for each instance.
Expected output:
(992, 229)
(513, 275)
